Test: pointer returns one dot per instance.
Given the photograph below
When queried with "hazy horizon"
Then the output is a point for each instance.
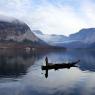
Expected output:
(52, 16)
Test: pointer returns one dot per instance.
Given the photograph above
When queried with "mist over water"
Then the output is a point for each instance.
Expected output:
(21, 74)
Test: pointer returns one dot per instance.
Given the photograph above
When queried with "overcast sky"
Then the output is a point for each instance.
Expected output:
(52, 16)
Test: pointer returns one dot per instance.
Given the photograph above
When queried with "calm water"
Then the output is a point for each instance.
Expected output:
(21, 74)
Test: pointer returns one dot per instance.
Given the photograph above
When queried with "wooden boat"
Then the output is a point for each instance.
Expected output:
(59, 66)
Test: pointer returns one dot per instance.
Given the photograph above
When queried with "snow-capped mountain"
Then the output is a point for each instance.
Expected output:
(50, 39)
(17, 34)
(85, 35)
(85, 38)
(16, 30)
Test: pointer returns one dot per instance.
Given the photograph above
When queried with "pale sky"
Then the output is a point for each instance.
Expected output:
(52, 16)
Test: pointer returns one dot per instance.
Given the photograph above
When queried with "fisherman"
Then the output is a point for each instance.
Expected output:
(46, 60)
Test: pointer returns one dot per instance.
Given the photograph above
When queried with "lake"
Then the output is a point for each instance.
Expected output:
(21, 73)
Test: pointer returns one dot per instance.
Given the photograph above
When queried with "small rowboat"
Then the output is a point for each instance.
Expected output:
(60, 66)
(57, 66)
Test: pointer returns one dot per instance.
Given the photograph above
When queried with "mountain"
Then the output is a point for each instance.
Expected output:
(85, 38)
(16, 34)
(16, 30)
(50, 39)
(85, 35)
(72, 44)
(12, 29)
(37, 32)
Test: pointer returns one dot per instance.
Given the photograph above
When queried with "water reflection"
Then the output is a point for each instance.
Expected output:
(15, 65)
(74, 81)
(87, 58)
(47, 69)
(57, 66)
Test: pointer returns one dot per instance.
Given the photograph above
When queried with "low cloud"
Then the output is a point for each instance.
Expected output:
(52, 17)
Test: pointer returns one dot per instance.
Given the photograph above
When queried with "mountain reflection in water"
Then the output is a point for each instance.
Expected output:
(74, 81)
(13, 64)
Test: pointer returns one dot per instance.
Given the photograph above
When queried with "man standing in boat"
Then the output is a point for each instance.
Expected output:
(46, 59)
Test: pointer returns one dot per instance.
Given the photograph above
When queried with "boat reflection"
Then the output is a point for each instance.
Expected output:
(57, 66)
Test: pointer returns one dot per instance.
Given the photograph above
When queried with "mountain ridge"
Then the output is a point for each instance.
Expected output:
(15, 34)
(85, 38)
